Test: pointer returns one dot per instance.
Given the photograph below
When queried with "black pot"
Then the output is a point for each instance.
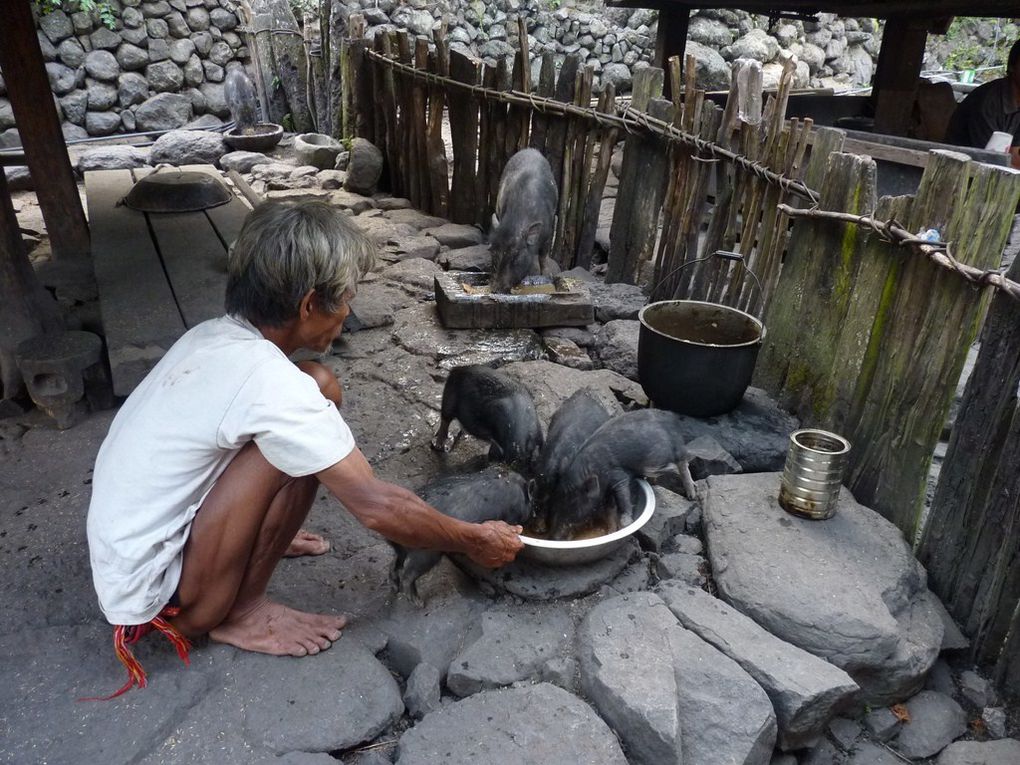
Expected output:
(697, 358)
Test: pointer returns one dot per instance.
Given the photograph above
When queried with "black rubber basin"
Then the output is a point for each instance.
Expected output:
(697, 358)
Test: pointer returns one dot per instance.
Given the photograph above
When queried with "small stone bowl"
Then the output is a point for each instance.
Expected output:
(553, 552)
(263, 137)
(317, 149)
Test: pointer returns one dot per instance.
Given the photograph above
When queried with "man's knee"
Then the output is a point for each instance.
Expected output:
(325, 379)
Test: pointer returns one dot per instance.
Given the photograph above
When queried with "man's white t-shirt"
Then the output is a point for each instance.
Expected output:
(220, 386)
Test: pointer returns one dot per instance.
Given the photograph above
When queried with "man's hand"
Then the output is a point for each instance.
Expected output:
(496, 544)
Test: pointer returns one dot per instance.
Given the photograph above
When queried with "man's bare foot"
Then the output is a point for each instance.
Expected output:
(306, 543)
(273, 628)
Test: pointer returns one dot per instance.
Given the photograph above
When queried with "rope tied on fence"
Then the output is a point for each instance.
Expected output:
(937, 252)
(629, 119)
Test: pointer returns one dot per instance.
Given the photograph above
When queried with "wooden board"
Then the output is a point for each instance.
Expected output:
(226, 219)
(194, 260)
(457, 310)
(140, 316)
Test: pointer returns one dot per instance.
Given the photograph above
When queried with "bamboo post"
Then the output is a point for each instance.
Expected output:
(496, 156)
(556, 133)
(386, 98)
(355, 118)
(406, 123)
(593, 204)
(486, 127)
(419, 115)
(546, 89)
(571, 196)
(517, 133)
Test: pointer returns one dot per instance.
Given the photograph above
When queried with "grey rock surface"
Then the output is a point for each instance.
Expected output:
(1003, 752)
(756, 433)
(686, 568)
(882, 723)
(976, 689)
(514, 645)
(456, 235)
(994, 719)
(531, 580)
(615, 301)
(112, 158)
(536, 725)
(726, 716)
(359, 702)
(805, 691)
(708, 457)
(627, 671)
(164, 111)
(616, 346)
(423, 692)
(870, 753)
(242, 161)
(671, 515)
(874, 623)
(935, 721)
(475, 258)
(364, 167)
(188, 147)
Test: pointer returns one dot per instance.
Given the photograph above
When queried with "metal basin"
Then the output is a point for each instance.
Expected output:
(554, 552)
(176, 191)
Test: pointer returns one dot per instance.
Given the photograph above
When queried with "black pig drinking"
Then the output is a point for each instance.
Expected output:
(491, 406)
(494, 494)
(647, 443)
(576, 419)
(522, 226)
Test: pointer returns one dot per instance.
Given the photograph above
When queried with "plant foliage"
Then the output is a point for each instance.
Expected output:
(104, 11)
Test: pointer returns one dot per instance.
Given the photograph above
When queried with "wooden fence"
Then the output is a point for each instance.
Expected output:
(865, 335)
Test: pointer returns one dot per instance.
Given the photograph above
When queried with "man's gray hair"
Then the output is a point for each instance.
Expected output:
(286, 249)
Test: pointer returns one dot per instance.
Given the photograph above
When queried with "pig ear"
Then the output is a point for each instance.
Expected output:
(531, 234)
(495, 221)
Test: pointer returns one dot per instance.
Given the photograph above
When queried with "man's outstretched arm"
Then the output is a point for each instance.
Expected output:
(402, 517)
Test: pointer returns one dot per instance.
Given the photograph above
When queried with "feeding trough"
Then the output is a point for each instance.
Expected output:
(696, 357)
(553, 552)
(465, 302)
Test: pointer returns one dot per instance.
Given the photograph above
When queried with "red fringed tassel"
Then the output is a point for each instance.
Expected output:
(125, 635)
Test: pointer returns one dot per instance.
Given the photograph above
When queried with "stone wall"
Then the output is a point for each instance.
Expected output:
(832, 52)
(161, 67)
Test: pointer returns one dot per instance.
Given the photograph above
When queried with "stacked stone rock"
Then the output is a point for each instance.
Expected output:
(831, 52)
(161, 66)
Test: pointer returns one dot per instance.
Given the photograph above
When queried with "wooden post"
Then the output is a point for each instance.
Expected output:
(28, 89)
(897, 73)
(556, 134)
(438, 169)
(670, 41)
(593, 205)
(546, 89)
(464, 131)
(26, 309)
(291, 61)
(642, 176)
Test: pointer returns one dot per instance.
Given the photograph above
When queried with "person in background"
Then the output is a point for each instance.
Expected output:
(994, 106)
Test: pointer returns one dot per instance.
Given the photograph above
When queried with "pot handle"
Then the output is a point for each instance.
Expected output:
(724, 255)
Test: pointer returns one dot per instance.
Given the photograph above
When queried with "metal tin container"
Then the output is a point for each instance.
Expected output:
(813, 474)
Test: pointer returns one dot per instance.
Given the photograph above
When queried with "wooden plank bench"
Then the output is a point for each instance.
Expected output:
(159, 274)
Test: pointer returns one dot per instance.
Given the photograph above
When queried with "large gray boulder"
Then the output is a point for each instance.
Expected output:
(713, 73)
(63, 79)
(131, 57)
(806, 692)
(616, 345)
(164, 111)
(243, 161)
(101, 95)
(102, 65)
(536, 725)
(514, 645)
(669, 695)
(73, 105)
(364, 167)
(102, 123)
(71, 53)
(188, 147)
(935, 721)
(132, 89)
(56, 25)
(847, 589)
(113, 158)
(164, 77)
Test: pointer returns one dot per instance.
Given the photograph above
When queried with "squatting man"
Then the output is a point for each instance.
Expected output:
(212, 464)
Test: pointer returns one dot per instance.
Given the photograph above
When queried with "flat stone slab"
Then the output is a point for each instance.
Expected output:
(418, 331)
(616, 346)
(1005, 751)
(669, 695)
(806, 692)
(414, 218)
(537, 725)
(514, 644)
(335, 700)
(846, 589)
(475, 258)
(935, 721)
(455, 235)
(534, 581)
